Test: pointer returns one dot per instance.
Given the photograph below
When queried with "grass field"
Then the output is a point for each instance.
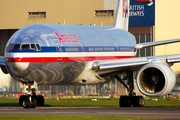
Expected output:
(87, 102)
(38, 117)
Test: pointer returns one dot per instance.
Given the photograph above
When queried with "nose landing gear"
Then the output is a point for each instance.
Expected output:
(31, 100)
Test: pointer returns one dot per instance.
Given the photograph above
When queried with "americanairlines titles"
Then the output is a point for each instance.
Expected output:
(136, 10)
(67, 38)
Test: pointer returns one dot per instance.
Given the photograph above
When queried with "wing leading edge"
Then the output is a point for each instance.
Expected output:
(2, 61)
(103, 67)
(150, 44)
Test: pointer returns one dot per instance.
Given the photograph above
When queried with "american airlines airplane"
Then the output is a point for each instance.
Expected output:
(53, 54)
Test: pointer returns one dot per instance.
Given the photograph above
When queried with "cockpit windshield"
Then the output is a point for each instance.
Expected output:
(30, 46)
(25, 47)
(16, 46)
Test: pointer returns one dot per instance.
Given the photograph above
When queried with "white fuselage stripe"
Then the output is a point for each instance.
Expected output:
(70, 54)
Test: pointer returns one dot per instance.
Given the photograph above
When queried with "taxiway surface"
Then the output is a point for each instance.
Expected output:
(163, 113)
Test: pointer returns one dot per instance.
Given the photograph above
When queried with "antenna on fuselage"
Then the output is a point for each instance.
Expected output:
(101, 23)
(122, 15)
(64, 22)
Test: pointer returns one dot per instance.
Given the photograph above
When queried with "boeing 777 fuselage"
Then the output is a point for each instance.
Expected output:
(58, 54)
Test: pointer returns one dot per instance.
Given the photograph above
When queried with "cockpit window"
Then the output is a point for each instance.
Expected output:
(33, 46)
(38, 47)
(11, 46)
(25, 47)
(16, 46)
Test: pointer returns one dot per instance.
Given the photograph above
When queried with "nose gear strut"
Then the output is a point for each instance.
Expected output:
(30, 100)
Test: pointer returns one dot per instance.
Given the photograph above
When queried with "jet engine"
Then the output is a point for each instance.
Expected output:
(155, 80)
(5, 70)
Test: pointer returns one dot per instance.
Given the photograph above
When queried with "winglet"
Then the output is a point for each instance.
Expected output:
(3, 65)
(122, 15)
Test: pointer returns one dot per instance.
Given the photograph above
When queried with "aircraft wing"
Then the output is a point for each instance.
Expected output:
(103, 67)
(2, 61)
(150, 44)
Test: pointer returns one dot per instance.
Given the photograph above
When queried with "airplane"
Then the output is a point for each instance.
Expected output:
(55, 54)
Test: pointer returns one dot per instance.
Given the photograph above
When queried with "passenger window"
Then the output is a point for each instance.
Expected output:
(25, 47)
(33, 46)
(38, 47)
(16, 46)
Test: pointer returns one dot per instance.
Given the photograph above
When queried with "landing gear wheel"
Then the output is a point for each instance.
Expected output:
(125, 101)
(40, 100)
(138, 101)
(26, 103)
(34, 103)
(22, 97)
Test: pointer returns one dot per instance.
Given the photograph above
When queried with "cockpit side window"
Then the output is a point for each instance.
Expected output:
(38, 47)
(11, 46)
(33, 46)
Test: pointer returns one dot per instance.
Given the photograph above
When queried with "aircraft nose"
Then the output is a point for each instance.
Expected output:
(21, 65)
(17, 63)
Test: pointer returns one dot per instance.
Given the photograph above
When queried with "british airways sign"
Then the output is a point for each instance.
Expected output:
(142, 13)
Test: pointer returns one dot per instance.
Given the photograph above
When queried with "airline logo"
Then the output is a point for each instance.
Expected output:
(124, 9)
(149, 4)
(67, 38)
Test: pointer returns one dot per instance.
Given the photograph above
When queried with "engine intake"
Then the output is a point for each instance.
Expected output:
(155, 80)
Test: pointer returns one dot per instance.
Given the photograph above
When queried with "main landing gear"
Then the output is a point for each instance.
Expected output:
(31, 100)
(131, 99)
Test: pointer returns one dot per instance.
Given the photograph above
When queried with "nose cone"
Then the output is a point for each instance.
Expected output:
(21, 66)
(17, 64)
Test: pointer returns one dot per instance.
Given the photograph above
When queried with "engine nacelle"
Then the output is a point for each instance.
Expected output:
(5, 70)
(155, 80)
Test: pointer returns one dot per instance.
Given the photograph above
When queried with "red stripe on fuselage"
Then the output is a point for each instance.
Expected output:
(64, 59)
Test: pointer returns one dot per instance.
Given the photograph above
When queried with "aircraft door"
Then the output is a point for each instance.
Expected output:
(116, 45)
(80, 42)
(58, 49)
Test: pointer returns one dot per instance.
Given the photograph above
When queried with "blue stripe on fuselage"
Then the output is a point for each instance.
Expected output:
(81, 49)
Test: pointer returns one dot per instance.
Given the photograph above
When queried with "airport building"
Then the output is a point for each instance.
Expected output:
(149, 21)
